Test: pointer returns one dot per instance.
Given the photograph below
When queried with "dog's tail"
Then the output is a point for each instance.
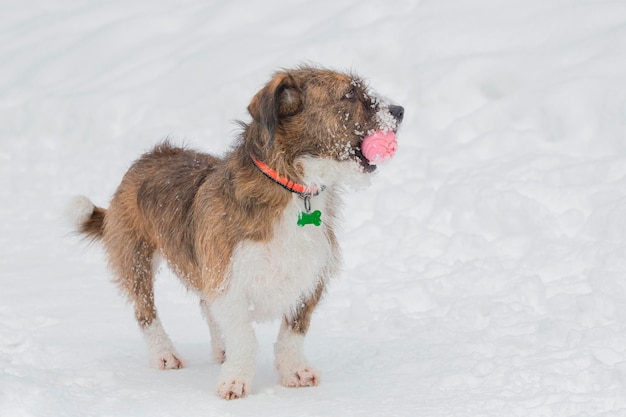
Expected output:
(86, 218)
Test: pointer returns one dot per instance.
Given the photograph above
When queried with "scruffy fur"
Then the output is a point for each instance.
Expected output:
(230, 233)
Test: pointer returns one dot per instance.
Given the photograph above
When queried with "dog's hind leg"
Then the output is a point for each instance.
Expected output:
(133, 260)
(291, 363)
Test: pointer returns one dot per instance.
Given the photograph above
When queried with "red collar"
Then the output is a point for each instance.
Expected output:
(294, 187)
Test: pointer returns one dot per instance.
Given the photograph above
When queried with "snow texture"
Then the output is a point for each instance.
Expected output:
(485, 267)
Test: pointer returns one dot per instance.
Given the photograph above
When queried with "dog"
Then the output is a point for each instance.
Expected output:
(252, 232)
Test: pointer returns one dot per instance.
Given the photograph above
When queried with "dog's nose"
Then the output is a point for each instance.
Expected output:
(397, 112)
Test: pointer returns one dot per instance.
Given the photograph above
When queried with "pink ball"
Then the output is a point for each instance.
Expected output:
(379, 146)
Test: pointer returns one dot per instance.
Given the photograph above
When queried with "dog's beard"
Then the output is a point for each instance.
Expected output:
(346, 150)
(356, 177)
(348, 173)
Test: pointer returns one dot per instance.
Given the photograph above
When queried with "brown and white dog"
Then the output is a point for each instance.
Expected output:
(234, 229)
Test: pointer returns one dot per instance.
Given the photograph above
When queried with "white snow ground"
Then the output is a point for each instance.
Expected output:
(485, 268)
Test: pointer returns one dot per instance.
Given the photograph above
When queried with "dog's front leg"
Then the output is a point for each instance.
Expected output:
(291, 363)
(231, 316)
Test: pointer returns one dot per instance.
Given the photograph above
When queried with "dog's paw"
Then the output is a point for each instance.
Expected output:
(167, 360)
(232, 389)
(300, 377)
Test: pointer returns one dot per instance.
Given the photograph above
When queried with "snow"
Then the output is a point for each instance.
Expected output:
(484, 267)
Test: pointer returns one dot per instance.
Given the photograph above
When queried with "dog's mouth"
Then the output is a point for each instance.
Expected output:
(376, 147)
(365, 164)
(379, 146)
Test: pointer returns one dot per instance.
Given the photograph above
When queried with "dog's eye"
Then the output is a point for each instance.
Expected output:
(350, 95)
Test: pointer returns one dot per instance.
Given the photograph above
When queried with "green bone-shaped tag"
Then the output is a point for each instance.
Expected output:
(314, 218)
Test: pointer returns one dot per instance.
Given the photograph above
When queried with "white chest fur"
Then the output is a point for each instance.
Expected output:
(273, 277)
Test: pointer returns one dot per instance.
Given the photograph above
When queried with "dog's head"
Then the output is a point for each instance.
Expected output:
(312, 112)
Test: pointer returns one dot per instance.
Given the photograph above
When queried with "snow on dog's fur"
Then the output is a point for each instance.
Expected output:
(229, 230)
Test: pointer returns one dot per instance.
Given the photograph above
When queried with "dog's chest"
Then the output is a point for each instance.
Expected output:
(273, 277)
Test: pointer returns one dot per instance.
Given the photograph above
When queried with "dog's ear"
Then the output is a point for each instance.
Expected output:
(280, 98)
